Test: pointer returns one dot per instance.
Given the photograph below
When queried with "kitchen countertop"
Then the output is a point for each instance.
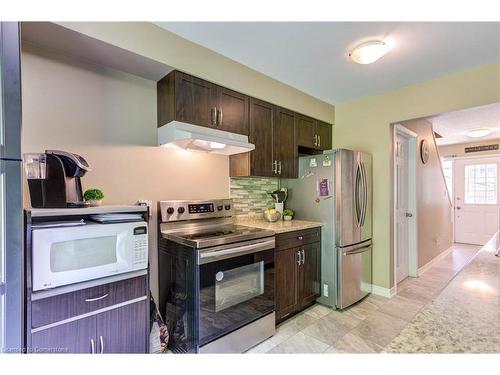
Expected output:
(280, 226)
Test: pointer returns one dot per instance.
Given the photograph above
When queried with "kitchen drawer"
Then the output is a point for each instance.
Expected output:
(297, 238)
(64, 306)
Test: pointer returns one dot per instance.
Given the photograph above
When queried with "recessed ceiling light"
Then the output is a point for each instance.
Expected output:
(369, 52)
(478, 133)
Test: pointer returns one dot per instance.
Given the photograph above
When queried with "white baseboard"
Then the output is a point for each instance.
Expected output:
(436, 259)
(384, 292)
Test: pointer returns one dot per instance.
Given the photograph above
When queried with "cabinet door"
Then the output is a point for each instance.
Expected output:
(306, 131)
(123, 330)
(78, 336)
(309, 277)
(195, 100)
(324, 132)
(286, 292)
(232, 115)
(285, 141)
(262, 117)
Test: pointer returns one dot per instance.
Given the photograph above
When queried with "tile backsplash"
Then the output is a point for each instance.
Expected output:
(251, 195)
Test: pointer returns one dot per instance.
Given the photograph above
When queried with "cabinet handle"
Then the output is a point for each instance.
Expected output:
(303, 256)
(219, 117)
(275, 166)
(213, 113)
(315, 141)
(92, 346)
(97, 298)
(300, 238)
(279, 170)
(102, 344)
(299, 260)
(319, 140)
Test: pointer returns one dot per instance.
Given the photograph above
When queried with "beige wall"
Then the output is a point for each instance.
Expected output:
(365, 125)
(109, 117)
(458, 150)
(434, 210)
(151, 41)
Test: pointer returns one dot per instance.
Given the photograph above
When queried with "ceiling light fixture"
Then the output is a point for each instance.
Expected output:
(478, 133)
(369, 52)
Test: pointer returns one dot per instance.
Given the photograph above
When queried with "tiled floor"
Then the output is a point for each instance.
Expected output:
(370, 325)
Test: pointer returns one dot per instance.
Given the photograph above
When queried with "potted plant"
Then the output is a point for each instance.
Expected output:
(288, 214)
(93, 196)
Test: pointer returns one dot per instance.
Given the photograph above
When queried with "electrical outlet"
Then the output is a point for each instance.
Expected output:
(148, 203)
(325, 290)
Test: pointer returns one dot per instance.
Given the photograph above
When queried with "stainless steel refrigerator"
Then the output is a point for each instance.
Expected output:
(11, 249)
(335, 188)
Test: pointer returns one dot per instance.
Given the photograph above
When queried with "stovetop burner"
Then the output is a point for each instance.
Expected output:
(200, 237)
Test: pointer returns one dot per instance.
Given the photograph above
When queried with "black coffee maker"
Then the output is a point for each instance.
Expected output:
(54, 179)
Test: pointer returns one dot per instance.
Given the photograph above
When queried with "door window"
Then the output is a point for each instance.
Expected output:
(481, 184)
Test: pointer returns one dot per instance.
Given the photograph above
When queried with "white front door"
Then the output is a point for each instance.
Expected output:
(402, 209)
(476, 199)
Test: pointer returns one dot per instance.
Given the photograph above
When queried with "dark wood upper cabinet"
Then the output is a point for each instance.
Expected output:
(189, 99)
(262, 117)
(324, 131)
(185, 98)
(285, 141)
(313, 134)
(279, 134)
(232, 111)
(306, 127)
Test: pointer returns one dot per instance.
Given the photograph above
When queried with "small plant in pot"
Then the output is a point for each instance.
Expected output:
(288, 214)
(94, 197)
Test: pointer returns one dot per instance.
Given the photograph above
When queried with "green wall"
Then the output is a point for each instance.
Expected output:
(365, 125)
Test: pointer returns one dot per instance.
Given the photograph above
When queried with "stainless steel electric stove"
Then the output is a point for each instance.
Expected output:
(216, 278)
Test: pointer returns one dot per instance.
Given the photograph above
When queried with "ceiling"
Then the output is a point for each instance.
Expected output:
(312, 56)
(452, 126)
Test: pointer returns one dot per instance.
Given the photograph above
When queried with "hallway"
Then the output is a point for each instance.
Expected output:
(416, 320)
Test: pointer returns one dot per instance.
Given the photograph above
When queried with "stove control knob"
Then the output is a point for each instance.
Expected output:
(219, 208)
(181, 210)
(227, 206)
(170, 210)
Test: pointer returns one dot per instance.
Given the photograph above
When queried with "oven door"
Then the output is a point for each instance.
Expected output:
(67, 255)
(236, 286)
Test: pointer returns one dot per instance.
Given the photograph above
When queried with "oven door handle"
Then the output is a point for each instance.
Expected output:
(215, 255)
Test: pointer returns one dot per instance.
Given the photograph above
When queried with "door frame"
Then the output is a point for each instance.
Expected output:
(453, 197)
(411, 139)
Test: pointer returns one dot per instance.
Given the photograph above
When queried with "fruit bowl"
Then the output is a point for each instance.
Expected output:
(272, 217)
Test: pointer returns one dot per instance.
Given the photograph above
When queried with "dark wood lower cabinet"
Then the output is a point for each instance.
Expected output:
(309, 278)
(122, 330)
(109, 318)
(298, 272)
(74, 337)
(286, 283)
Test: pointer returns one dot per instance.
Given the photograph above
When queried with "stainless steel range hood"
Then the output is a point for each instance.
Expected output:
(178, 134)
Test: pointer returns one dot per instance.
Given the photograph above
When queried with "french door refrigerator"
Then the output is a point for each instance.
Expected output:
(335, 188)
(11, 250)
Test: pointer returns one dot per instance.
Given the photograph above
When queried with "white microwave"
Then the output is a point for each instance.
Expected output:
(68, 255)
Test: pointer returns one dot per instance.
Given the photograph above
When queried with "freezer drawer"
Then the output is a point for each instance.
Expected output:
(354, 273)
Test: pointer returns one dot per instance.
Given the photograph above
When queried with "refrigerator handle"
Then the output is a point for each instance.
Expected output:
(365, 193)
(357, 203)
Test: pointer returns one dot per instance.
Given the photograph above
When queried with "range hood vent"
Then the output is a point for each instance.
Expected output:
(177, 134)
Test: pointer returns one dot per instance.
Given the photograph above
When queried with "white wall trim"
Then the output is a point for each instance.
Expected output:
(432, 262)
(412, 186)
(384, 292)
